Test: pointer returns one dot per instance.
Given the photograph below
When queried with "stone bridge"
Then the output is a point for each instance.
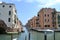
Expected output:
(3, 27)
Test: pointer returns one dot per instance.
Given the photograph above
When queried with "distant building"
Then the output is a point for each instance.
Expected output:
(19, 26)
(58, 19)
(32, 22)
(8, 14)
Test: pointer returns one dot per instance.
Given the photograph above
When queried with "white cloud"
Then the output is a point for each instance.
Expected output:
(11, 0)
(29, 1)
(49, 3)
(17, 0)
(46, 3)
(38, 1)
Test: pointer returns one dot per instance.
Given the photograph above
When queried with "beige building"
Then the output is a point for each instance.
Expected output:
(58, 19)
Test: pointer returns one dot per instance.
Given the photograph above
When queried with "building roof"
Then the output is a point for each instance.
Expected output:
(6, 3)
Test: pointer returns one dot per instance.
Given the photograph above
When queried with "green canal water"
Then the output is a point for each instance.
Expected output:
(34, 35)
(8, 37)
(20, 36)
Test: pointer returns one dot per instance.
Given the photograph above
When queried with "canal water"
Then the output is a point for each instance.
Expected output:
(32, 35)
(24, 35)
(21, 36)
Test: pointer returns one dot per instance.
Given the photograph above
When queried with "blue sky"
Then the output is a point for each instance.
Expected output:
(26, 9)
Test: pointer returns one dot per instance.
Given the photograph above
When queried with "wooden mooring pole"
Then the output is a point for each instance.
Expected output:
(29, 35)
(11, 36)
(25, 37)
(45, 37)
(54, 35)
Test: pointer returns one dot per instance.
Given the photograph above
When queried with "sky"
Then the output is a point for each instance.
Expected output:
(26, 9)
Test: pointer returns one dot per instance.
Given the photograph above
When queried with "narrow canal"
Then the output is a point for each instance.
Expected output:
(34, 35)
(21, 36)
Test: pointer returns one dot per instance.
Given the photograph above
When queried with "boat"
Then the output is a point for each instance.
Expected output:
(12, 33)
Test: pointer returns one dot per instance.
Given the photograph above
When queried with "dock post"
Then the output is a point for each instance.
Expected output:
(29, 35)
(54, 35)
(25, 37)
(45, 36)
(11, 36)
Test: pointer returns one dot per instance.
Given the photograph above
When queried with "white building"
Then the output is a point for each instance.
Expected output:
(8, 14)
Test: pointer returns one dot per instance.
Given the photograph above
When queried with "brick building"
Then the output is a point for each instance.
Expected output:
(32, 22)
(46, 18)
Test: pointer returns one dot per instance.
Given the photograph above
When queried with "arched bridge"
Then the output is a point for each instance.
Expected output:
(3, 27)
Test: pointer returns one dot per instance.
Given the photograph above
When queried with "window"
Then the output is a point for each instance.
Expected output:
(37, 19)
(9, 19)
(3, 6)
(37, 22)
(53, 25)
(48, 25)
(45, 15)
(10, 6)
(53, 16)
(45, 25)
(48, 15)
(45, 20)
(48, 20)
(14, 21)
(39, 26)
(59, 25)
(15, 11)
(38, 15)
(9, 12)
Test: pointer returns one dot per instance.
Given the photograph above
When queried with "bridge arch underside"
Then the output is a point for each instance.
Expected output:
(2, 30)
(3, 27)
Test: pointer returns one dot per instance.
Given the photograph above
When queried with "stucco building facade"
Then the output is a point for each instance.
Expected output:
(8, 14)
(47, 18)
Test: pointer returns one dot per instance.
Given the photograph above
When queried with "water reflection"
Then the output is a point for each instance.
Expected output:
(24, 35)
(8, 37)
(34, 35)
(21, 36)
